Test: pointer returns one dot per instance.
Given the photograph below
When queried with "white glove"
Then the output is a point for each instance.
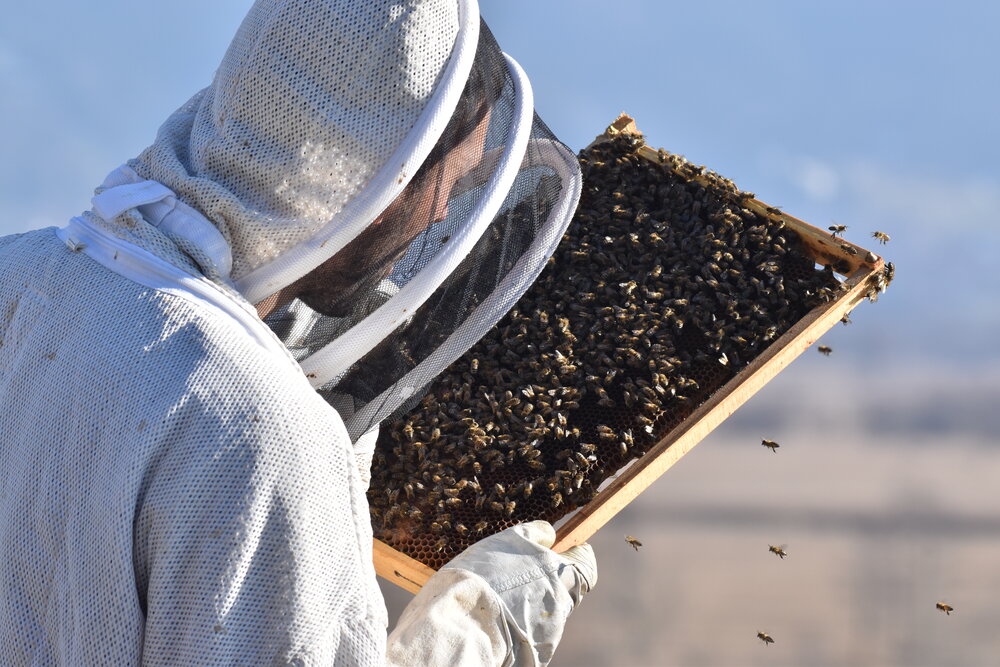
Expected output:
(503, 601)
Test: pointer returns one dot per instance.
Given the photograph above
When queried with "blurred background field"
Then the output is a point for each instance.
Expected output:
(876, 115)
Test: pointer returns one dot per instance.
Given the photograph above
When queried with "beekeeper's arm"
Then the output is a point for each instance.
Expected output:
(503, 601)
(252, 534)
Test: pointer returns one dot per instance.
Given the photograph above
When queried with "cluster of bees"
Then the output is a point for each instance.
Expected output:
(663, 287)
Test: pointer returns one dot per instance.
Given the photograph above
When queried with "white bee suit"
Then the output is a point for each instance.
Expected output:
(175, 487)
(174, 490)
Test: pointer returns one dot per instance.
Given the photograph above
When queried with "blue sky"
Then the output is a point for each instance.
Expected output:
(879, 115)
(764, 92)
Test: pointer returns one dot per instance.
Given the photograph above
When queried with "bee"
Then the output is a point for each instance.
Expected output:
(846, 319)
(770, 444)
(825, 350)
(634, 543)
(881, 237)
(837, 229)
(945, 607)
(778, 551)
(764, 637)
(849, 249)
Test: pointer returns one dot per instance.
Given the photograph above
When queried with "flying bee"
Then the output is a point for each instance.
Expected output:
(837, 229)
(825, 350)
(770, 444)
(778, 551)
(846, 319)
(764, 637)
(945, 607)
(881, 237)
(634, 543)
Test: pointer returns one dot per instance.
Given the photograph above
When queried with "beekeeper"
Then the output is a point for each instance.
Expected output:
(192, 372)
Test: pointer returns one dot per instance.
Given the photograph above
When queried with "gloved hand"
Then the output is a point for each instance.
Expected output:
(504, 600)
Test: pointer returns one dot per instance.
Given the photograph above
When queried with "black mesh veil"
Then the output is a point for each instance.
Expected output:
(445, 261)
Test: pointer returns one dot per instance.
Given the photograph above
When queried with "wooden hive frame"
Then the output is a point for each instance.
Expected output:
(859, 269)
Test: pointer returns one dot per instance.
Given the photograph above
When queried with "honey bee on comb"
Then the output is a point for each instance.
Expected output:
(665, 285)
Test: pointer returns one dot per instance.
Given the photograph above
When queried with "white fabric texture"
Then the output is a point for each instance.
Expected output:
(503, 601)
(171, 493)
(292, 129)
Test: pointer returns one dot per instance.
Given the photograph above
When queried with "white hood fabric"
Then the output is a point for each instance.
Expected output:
(292, 129)
(174, 489)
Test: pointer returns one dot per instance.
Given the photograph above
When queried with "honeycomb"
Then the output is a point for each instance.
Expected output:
(664, 286)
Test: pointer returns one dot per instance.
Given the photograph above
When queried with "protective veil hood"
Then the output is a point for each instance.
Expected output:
(378, 166)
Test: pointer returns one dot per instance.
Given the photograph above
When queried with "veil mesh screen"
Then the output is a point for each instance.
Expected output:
(411, 234)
